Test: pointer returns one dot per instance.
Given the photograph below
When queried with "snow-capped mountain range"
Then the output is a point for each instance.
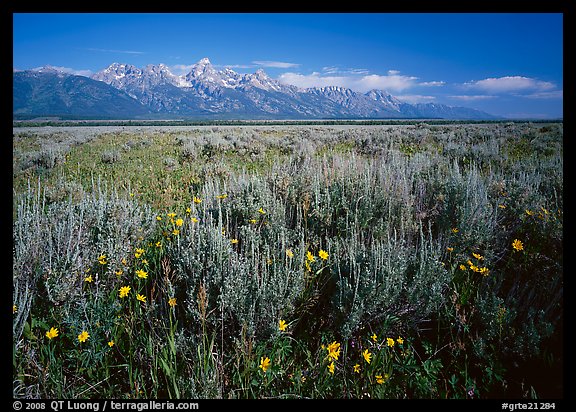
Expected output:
(206, 92)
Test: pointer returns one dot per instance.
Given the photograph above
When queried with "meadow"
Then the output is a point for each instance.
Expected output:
(288, 261)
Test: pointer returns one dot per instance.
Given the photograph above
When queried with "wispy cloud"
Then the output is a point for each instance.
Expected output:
(415, 98)
(346, 71)
(554, 94)
(509, 84)
(472, 97)
(179, 69)
(115, 51)
(275, 64)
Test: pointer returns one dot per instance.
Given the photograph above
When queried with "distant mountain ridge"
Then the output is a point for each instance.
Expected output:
(124, 90)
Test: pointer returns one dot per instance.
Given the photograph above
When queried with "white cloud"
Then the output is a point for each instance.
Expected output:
(115, 51)
(179, 69)
(275, 64)
(312, 80)
(509, 84)
(470, 98)
(392, 82)
(554, 94)
(415, 98)
(432, 84)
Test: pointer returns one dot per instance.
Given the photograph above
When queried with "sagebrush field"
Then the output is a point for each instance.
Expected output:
(288, 261)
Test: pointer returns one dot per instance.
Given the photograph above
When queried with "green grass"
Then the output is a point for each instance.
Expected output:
(395, 240)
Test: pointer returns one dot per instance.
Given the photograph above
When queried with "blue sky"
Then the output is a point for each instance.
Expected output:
(508, 64)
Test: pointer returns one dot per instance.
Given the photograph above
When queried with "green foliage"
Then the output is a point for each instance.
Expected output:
(182, 252)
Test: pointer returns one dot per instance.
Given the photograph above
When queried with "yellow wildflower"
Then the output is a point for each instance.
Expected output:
(197, 200)
(14, 309)
(141, 298)
(323, 254)
(264, 363)
(102, 259)
(88, 279)
(222, 197)
(357, 368)
(282, 325)
(289, 253)
(261, 211)
(141, 274)
(517, 245)
(195, 220)
(179, 222)
(83, 337)
(367, 355)
(374, 337)
(52, 333)
(138, 252)
(331, 368)
(478, 256)
(234, 241)
(455, 230)
(333, 350)
(175, 232)
(119, 272)
(172, 302)
(390, 342)
(310, 256)
(124, 290)
(111, 343)
(381, 379)
(400, 340)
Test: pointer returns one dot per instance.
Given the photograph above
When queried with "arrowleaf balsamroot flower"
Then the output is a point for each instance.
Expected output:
(310, 256)
(367, 355)
(83, 337)
(333, 350)
(52, 333)
(124, 290)
(264, 363)
(331, 367)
